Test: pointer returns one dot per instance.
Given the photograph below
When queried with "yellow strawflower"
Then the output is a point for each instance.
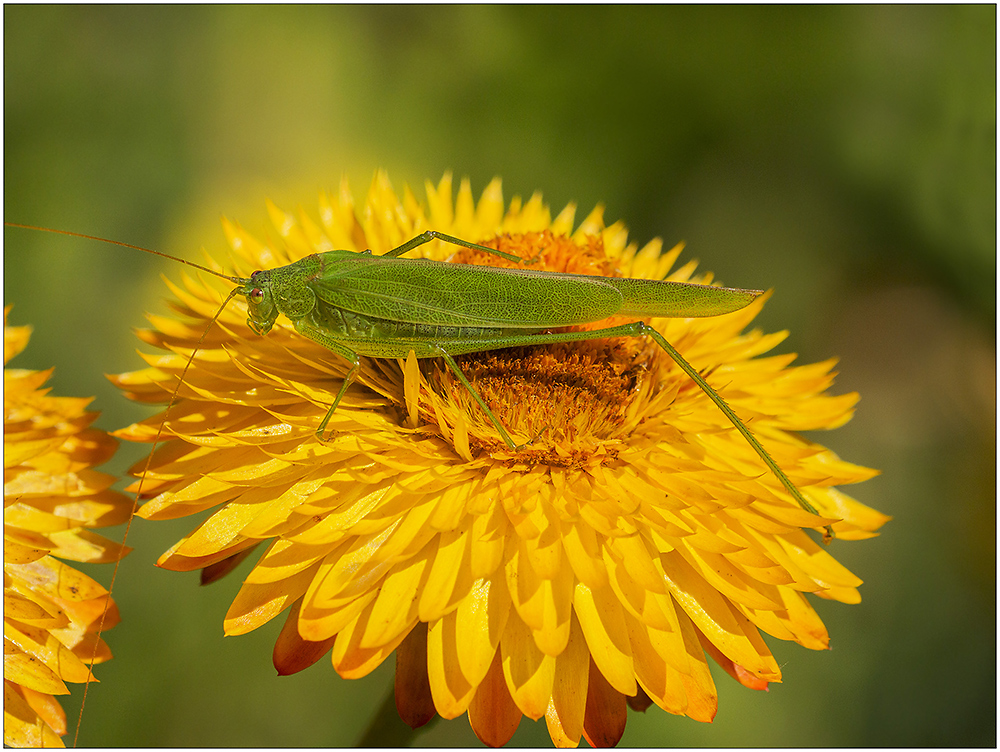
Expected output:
(598, 567)
(52, 502)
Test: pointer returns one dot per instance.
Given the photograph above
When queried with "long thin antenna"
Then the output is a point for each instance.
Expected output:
(159, 431)
(138, 490)
(238, 280)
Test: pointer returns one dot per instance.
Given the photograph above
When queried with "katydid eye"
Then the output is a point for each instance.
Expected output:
(256, 295)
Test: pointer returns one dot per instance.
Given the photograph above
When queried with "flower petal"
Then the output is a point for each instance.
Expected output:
(565, 714)
(414, 701)
(606, 712)
(291, 652)
(603, 623)
(527, 670)
(492, 713)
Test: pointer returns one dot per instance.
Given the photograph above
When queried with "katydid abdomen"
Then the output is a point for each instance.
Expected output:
(435, 293)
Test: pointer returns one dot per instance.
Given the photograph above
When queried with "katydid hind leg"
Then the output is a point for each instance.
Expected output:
(734, 419)
(636, 329)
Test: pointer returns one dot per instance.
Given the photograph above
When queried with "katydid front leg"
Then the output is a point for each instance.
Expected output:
(309, 331)
(318, 336)
(428, 235)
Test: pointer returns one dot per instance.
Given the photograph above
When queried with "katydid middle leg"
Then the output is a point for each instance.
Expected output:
(482, 404)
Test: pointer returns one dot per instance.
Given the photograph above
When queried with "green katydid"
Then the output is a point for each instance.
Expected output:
(385, 306)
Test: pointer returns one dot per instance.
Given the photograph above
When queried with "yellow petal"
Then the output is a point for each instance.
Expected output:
(257, 604)
(583, 552)
(53, 578)
(557, 611)
(351, 660)
(22, 727)
(489, 531)
(720, 573)
(526, 588)
(716, 619)
(318, 624)
(41, 644)
(527, 670)
(451, 689)
(48, 709)
(565, 713)
(21, 668)
(603, 623)
(480, 621)
(660, 681)
(395, 606)
(441, 591)
(703, 700)
(30, 611)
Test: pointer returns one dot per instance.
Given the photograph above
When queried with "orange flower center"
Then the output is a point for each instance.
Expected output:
(572, 398)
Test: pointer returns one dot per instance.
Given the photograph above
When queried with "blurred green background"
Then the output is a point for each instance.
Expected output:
(843, 156)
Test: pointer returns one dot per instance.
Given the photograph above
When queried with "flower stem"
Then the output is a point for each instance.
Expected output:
(387, 729)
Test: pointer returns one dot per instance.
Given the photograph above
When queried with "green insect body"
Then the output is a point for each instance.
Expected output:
(385, 307)
(357, 304)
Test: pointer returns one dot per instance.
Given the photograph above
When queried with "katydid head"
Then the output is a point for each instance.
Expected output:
(282, 290)
(261, 308)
